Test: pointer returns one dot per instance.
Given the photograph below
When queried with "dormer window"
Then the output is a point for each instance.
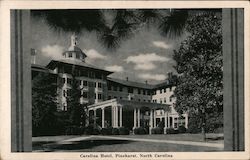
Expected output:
(70, 54)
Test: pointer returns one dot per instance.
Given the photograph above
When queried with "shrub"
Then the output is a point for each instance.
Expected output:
(139, 130)
(106, 131)
(123, 131)
(96, 131)
(171, 131)
(89, 130)
(74, 130)
(194, 125)
(182, 129)
(157, 130)
(115, 131)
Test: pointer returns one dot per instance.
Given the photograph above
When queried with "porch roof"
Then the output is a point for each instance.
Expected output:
(129, 104)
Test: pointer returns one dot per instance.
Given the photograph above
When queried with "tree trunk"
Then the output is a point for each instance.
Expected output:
(203, 132)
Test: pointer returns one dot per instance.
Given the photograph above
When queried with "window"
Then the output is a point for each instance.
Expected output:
(160, 100)
(139, 100)
(120, 88)
(120, 97)
(144, 100)
(85, 83)
(165, 90)
(139, 91)
(64, 80)
(160, 91)
(85, 94)
(69, 81)
(149, 101)
(148, 92)
(99, 96)
(70, 54)
(130, 90)
(131, 99)
(69, 92)
(165, 100)
(144, 92)
(77, 55)
(64, 107)
(109, 97)
(170, 99)
(64, 93)
(170, 89)
(115, 88)
(109, 87)
(99, 85)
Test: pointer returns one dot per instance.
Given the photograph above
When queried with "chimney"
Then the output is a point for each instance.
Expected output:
(170, 75)
(127, 78)
(33, 53)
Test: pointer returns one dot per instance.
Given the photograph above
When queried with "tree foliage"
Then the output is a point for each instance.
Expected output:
(199, 64)
(116, 25)
(44, 104)
(76, 110)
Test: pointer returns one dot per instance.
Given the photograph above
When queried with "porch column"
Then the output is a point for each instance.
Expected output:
(139, 117)
(168, 121)
(134, 118)
(173, 121)
(165, 123)
(87, 118)
(112, 115)
(151, 121)
(103, 118)
(186, 121)
(120, 116)
(94, 117)
(154, 118)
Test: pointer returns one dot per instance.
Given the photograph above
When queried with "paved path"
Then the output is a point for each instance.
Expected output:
(205, 144)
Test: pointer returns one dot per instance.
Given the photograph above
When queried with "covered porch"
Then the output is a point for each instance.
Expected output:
(130, 114)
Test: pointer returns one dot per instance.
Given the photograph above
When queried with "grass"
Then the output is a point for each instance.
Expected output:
(99, 144)
(180, 137)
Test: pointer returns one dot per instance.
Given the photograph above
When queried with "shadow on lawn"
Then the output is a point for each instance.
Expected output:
(76, 145)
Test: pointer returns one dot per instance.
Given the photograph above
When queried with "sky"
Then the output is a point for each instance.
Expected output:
(147, 56)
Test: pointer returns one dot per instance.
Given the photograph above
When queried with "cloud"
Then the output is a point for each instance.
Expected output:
(114, 68)
(93, 54)
(53, 51)
(148, 76)
(145, 61)
(145, 66)
(161, 44)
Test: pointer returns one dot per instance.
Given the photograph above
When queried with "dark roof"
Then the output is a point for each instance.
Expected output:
(162, 84)
(53, 63)
(131, 83)
(36, 67)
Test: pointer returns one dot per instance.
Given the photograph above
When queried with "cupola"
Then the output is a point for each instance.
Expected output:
(74, 52)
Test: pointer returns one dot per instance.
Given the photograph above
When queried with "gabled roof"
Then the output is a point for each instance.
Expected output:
(53, 63)
(131, 83)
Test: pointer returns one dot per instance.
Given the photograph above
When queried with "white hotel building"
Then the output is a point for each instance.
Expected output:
(114, 102)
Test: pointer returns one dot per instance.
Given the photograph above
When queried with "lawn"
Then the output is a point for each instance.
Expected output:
(100, 144)
(217, 138)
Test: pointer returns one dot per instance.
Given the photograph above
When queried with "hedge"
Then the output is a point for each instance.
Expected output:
(171, 131)
(157, 130)
(140, 130)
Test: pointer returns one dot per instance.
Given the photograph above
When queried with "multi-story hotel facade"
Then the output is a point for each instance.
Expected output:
(114, 102)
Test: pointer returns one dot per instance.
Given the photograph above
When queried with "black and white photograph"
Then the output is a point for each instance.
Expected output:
(128, 82)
